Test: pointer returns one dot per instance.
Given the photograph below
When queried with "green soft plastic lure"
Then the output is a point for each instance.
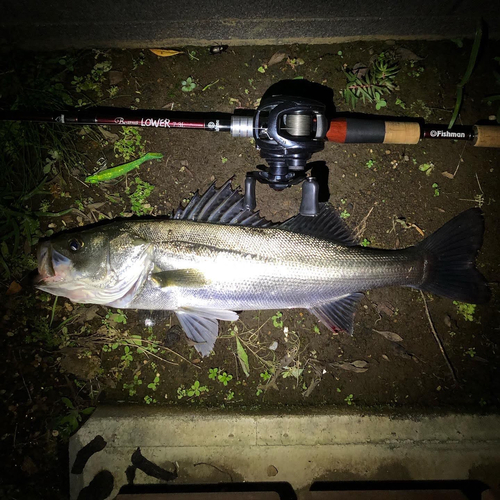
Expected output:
(113, 173)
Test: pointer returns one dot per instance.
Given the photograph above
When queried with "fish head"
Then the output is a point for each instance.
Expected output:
(96, 266)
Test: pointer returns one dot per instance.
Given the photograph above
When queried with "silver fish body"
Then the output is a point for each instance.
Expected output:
(215, 257)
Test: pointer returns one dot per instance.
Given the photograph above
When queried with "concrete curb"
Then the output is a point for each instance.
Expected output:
(302, 448)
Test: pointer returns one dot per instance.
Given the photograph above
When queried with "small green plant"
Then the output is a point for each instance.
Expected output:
(316, 329)
(70, 422)
(148, 399)
(344, 214)
(400, 103)
(365, 243)
(196, 389)
(259, 392)
(470, 352)
(277, 320)
(349, 399)
(436, 189)
(466, 310)
(138, 61)
(224, 160)
(427, 168)
(127, 357)
(370, 163)
(212, 373)
(154, 384)
(138, 198)
(118, 317)
(94, 80)
(224, 378)
(130, 144)
(188, 85)
(370, 85)
(192, 55)
(230, 396)
(132, 387)
(262, 69)
(265, 376)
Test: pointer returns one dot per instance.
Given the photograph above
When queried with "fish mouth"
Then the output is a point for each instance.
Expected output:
(50, 265)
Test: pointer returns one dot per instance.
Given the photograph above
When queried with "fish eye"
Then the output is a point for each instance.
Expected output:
(75, 244)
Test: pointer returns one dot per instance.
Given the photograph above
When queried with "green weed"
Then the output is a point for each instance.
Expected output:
(130, 145)
(188, 85)
(365, 243)
(132, 387)
(349, 399)
(277, 320)
(154, 385)
(344, 214)
(224, 378)
(69, 423)
(436, 189)
(138, 198)
(466, 310)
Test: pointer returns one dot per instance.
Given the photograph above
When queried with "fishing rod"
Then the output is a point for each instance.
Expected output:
(287, 131)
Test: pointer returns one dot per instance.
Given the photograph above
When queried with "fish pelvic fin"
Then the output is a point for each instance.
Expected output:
(338, 314)
(202, 326)
(450, 255)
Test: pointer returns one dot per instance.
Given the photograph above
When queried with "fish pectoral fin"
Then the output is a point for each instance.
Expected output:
(338, 314)
(201, 325)
(202, 331)
(188, 278)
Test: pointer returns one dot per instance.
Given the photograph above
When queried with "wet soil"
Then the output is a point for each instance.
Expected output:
(373, 185)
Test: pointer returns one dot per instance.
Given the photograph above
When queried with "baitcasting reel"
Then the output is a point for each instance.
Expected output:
(287, 131)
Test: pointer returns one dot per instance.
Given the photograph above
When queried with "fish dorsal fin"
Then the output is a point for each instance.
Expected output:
(221, 206)
(327, 225)
(338, 314)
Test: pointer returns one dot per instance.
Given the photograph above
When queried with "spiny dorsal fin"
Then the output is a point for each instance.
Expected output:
(221, 206)
(327, 225)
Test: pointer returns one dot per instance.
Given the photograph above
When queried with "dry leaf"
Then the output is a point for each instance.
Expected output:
(109, 136)
(393, 337)
(165, 52)
(407, 55)
(360, 69)
(14, 288)
(447, 175)
(115, 77)
(351, 367)
(385, 357)
(276, 58)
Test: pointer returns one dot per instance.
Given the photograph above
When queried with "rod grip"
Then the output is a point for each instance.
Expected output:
(360, 130)
(486, 136)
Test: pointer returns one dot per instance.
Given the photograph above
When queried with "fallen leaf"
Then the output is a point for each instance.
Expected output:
(115, 77)
(14, 288)
(480, 359)
(109, 136)
(407, 55)
(360, 69)
(447, 175)
(87, 313)
(393, 337)
(243, 357)
(272, 471)
(276, 58)
(351, 367)
(165, 52)
(385, 357)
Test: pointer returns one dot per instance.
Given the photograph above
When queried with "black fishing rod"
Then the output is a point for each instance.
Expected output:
(287, 130)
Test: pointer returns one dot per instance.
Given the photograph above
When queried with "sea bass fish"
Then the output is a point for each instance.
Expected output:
(215, 257)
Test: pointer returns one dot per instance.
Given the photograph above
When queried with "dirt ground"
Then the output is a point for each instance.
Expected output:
(106, 357)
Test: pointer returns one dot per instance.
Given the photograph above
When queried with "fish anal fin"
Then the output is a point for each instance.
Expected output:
(339, 313)
(187, 278)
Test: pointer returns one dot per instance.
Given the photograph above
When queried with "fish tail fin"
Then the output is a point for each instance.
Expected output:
(450, 255)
